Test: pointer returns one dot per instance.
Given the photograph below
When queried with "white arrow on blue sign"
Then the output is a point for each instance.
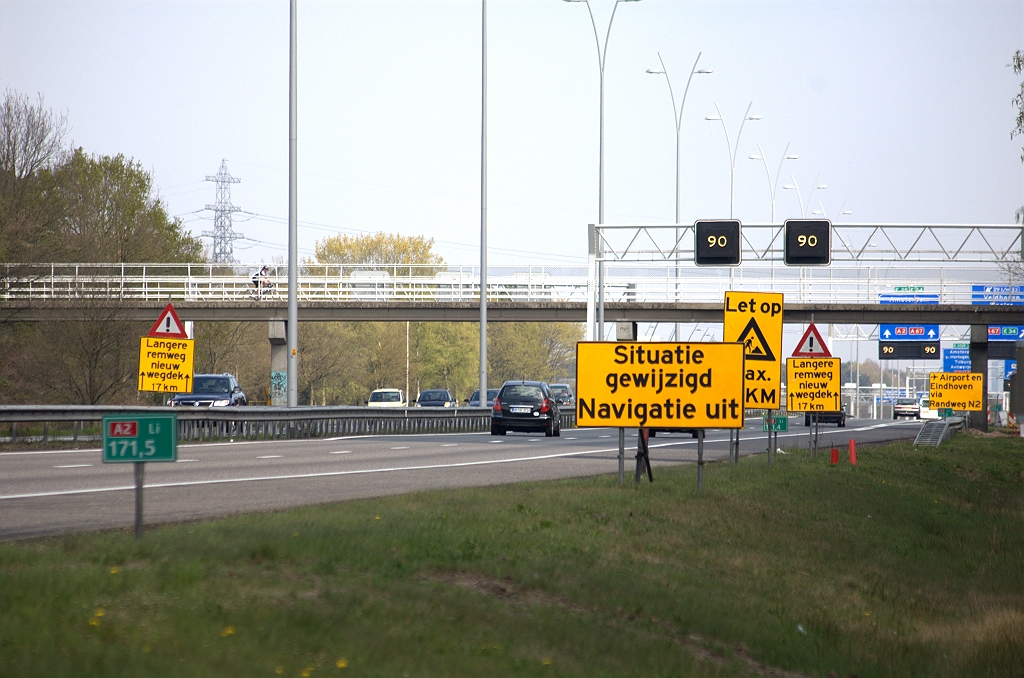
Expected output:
(908, 332)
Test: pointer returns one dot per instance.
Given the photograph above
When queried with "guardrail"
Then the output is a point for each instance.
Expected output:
(254, 423)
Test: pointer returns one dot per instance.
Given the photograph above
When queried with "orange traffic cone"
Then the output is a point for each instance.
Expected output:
(853, 452)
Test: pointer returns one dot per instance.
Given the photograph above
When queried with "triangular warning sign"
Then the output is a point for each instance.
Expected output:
(811, 345)
(168, 325)
(755, 346)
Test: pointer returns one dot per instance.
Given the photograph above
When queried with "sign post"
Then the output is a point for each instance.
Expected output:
(137, 439)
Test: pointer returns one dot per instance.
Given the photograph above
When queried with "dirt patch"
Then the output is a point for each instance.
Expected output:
(700, 647)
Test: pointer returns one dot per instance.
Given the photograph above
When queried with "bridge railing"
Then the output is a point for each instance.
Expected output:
(625, 281)
(53, 423)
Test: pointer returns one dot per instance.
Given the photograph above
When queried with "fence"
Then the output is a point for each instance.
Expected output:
(255, 423)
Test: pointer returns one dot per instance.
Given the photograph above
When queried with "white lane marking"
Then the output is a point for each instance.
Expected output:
(405, 447)
(270, 456)
(449, 445)
(19, 454)
(327, 474)
(496, 442)
(182, 461)
(572, 438)
(604, 436)
(341, 452)
(73, 466)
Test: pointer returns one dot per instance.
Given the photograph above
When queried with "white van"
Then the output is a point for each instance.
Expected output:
(387, 397)
(927, 412)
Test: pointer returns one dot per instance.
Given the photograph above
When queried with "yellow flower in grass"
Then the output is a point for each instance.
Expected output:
(228, 631)
(146, 648)
(279, 669)
(341, 663)
(95, 621)
(376, 517)
(99, 612)
(307, 671)
(546, 661)
(114, 570)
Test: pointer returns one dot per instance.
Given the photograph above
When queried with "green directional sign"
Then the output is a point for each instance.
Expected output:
(908, 288)
(945, 412)
(776, 422)
(131, 438)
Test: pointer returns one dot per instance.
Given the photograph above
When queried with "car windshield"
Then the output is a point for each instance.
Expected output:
(434, 397)
(491, 394)
(559, 391)
(211, 385)
(385, 397)
(520, 393)
(906, 401)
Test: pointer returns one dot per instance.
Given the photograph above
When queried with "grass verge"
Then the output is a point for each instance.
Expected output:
(909, 564)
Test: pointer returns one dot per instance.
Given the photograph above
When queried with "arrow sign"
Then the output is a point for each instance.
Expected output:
(168, 325)
(811, 345)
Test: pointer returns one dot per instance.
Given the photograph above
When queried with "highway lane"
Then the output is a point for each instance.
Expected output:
(53, 492)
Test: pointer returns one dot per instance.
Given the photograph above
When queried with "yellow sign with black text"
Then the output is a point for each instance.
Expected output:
(659, 384)
(754, 319)
(812, 384)
(165, 365)
(956, 390)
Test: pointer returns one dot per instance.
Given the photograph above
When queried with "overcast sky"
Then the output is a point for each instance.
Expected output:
(901, 108)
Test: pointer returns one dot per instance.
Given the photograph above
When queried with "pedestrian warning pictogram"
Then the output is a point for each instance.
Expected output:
(755, 345)
(811, 345)
(168, 325)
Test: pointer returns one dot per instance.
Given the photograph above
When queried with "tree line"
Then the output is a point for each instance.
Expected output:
(62, 204)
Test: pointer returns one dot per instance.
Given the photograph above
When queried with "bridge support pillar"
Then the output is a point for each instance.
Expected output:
(979, 363)
(278, 363)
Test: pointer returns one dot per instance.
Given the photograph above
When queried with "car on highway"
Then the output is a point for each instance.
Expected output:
(563, 394)
(926, 411)
(838, 418)
(436, 397)
(474, 400)
(211, 390)
(906, 407)
(387, 397)
(527, 407)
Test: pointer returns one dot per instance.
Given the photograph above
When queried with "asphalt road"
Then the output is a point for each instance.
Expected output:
(54, 492)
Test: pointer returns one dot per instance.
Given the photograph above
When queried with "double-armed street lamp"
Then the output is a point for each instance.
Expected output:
(602, 53)
(731, 150)
(773, 186)
(796, 187)
(821, 211)
(678, 115)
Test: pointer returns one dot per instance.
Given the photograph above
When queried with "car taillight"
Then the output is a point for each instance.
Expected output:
(546, 406)
(497, 404)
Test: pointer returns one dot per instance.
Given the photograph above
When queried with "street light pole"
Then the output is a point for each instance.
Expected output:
(602, 52)
(773, 187)
(795, 186)
(292, 330)
(678, 116)
(733, 151)
(483, 204)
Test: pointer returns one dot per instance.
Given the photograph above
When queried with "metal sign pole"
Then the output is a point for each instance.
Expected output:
(700, 459)
(622, 455)
(140, 472)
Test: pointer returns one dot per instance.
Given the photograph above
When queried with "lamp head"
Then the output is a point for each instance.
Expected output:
(756, 157)
(754, 117)
(821, 187)
(705, 71)
(846, 212)
(792, 157)
(789, 187)
(712, 117)
(655, 72)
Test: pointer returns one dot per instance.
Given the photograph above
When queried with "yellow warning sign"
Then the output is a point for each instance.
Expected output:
(956, 390)
(659, 384)
(165, 365)
(754, 319)
(812, 384)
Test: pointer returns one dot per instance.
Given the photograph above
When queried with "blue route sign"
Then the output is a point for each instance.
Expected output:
(997, 295)
(1005, 332)
(1009, 368)
(908, 332)
(905, 298)
(956, 360)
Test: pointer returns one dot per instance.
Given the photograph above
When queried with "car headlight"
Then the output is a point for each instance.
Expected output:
(221, 403)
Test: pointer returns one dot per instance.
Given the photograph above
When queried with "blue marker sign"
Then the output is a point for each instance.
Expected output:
(897, 298)
(997, 295)
(956, 360)
(1005, 332)
(908, 332)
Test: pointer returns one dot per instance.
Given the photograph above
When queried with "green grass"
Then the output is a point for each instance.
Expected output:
(910, 564)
